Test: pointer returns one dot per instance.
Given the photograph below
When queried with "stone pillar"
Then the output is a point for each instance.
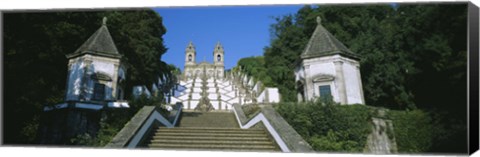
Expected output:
(342, 92)
(189, 98)
(70, 62)
(85, 79)
(360, 86)
(114, 82)
(308, 87)
(267, 99)
(219, 102)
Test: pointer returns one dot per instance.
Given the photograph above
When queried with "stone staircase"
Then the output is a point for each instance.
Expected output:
(211, 131)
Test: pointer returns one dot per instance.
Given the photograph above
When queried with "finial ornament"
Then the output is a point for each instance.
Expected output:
(104, 21)
(319, 20)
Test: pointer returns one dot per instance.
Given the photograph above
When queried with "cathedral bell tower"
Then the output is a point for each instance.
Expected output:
(190, 54)
(218, 56)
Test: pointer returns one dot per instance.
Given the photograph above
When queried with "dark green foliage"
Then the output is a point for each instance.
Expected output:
(402, 50)
(413, 130)
(421, 131)
(115, 119)
(255, 67)
(412, 56)
(328, 126)
(35, 66)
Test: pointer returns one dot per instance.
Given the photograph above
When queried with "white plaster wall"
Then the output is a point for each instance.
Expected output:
(325, 65)
(197, 80)
(333, 89)
(225, 83)
(174, 100)
(183, 97)
(197, 89)
(223, 91)
(77, 72)
(211, 90)
(352, 84)
(214, 104)
(103, 67)
(261, 97)
(193, 104)
(318, 67)
(196, 96)
(74, 81)
(230, 94)
(234, 101)
(212, 96)
(183, 83)
(273, 95)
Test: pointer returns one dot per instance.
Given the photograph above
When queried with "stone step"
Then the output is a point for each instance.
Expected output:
(242, 138)
(223, 146)
(209, 141)
(217, 130)
(212, 131)
(209, 134)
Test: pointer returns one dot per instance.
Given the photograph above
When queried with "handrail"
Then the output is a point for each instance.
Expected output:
(284, 135)
(135, 130)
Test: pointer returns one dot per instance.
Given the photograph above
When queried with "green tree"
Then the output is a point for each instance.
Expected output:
(255, 67)
(412, 56)
(36, 68)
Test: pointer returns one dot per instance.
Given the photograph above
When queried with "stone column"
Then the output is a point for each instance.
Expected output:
(114, 81)
(360, 86)
(219, 102)
(308, 87)
(189, 98)
(267, 99)
(85, 79)
(70, 62)
(342, 92)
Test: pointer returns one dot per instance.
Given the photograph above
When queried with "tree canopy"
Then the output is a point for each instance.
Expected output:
(35, 69)
(402, 49)
(411, 56)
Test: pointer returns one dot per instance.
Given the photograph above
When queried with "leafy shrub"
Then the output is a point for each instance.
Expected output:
(328, 126)
(413, 130)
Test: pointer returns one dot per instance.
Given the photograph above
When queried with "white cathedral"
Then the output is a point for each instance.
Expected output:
(207, 87)
(328, 69)
(192, 69)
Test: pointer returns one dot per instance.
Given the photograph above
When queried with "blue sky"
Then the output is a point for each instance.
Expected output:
(243, 30)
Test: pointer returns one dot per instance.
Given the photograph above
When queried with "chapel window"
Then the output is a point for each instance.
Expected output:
(99, 91)
(219, 58)
(325, 92)
(189, 58)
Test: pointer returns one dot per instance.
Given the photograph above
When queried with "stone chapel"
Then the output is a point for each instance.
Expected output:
(96, 74)
(328, 69)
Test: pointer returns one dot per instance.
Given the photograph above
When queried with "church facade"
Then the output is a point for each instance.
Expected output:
(328, 69)
(207, 87)
(193, 69)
